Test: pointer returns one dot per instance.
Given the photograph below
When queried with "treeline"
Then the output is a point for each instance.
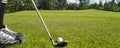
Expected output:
(109, 6)
(21, 5)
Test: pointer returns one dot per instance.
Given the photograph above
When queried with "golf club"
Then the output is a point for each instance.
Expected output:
(60, 42)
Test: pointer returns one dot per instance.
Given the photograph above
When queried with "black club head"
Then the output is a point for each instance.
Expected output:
(61, 44)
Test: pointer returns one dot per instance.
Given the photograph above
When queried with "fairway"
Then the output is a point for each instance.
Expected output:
(81, 28)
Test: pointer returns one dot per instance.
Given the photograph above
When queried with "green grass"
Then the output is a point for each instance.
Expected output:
(81, 28)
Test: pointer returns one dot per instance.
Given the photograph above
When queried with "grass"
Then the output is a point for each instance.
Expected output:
(81, 28)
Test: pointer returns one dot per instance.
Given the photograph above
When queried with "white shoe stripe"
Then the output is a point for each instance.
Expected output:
(4, 1)
(5, 38)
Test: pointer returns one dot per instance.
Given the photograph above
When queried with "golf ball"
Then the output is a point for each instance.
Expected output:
(60, 39)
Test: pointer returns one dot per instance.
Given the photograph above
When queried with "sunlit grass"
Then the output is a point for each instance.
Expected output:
(81, 28)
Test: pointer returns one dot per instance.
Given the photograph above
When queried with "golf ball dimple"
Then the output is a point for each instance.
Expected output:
(60, 39)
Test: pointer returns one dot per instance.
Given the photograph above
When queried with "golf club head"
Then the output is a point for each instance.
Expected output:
(61, 43)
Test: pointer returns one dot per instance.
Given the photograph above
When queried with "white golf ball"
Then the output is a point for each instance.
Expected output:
(60, 39)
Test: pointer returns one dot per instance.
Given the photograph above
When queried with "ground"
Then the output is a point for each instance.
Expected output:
(81, 28)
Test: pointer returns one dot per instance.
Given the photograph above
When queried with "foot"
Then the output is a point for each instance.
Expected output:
(17, 36)
(6, 39)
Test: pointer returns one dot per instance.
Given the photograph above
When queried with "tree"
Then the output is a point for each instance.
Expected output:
(84, 4)
(12, 7)
(61, 4)
(119, 4)
(43, 4)
(47, 4)
(94, 6)
(100, 5)
(111, 6)
(27, 5)
(114, 6)
(19, 5)
(107, 6)
(72, 6)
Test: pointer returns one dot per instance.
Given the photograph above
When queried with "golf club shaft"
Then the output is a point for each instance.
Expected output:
(43, 22)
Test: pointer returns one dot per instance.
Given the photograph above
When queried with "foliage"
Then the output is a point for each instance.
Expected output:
(84, 4)
(21, 5)
(101, 5)
(47, 4)
(73, 6)
(61, 4)
(107, 6)
(111, 6)
(94, 6)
